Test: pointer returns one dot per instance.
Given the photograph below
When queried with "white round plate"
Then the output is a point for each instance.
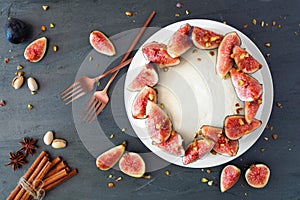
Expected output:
(194, 95)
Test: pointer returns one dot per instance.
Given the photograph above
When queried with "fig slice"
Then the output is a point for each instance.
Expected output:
(173, 145)
(147, 76)
(159, 125)
(157, 53)
(244, 61)
(224, 61)
(109, 158)
(101, 43)
(180, 41)
(246, 87)
(223, 145)
(205, 39)
(36, 50)
(132, 164)
(251, 108)
(138, 109)
(229, 176)
(257, 175)
(236, 126)
(197, 149)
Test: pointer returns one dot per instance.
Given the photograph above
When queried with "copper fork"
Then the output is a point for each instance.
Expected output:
(86, 84)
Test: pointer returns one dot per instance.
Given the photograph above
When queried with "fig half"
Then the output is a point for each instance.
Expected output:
(159, 125)
(157, 53)
(180, 41)
(257, 175)
(132, 164)
(36, 50)
(251, 108)
(236, 126)
(244, 61)
(173, 145)
(101, 43)
(197, 149)
(138, 109)
(224, 61)
(108, 159)
(205, 39)
(147, 77)
(229, 176)
(246, 87)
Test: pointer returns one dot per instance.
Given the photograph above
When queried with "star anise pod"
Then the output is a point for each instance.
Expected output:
(28, 146)
(16, 160)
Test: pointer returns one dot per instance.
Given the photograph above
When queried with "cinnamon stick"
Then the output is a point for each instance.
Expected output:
(31, 169)
(60, 181)
(32, 177)
(55, 177)
(61, 165)
(55, 161)
(40, 176)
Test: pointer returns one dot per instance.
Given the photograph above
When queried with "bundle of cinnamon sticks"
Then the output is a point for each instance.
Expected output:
(43, 175)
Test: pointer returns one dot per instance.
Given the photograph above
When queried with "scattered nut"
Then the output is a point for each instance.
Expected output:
(48, 137)
(111, 185)
(210, 183)
(187, 12)
(167, 172)
(55, 48)
(119, 179)
(19, 67)
(29, 107)
(274, 136)
(177, 15)
(51, 25)
(43, 28)
(6, 60)
(204, 180)
(2, 103)
(59, 143)
(32, 84)
(128, 13)
(179, 5)
(45, 7)
(268, 44)
(17, 82)
(254, 21)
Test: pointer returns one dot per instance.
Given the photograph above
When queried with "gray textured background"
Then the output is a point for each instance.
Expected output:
(74, 20)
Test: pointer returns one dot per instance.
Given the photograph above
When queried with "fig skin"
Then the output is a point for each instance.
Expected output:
(17, 31)
(101, 43)
(173, 145)
(109, 158)
(251, 108)
(180, 41)
(257, 175)
(132, 164)
(36, 50)
(229, 177)
(147, 77)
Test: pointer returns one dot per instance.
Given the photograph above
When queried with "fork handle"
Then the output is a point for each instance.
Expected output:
(117, 68)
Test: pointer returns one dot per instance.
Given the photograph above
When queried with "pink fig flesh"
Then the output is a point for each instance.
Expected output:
(132, 164)
(101, 43)
(251, 108)
(246, 87)
(180, 41)
(140, 102)
(36, 50)
(257, 175)
(236, 126)
(224, 60)
(147, 77)
(229, 176)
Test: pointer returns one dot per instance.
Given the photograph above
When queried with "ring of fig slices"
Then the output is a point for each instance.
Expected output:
(232, 61)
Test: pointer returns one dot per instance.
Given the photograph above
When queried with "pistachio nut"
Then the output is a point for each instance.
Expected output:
(48, 137)
(32, 84)
(17, 82)
(59, 143)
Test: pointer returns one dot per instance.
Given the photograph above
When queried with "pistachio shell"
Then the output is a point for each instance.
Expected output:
(32, 84)
(17, 82)
(59, 143)
(48, 137)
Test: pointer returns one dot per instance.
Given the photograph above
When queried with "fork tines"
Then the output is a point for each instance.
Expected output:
(92, 110)
(73, 92)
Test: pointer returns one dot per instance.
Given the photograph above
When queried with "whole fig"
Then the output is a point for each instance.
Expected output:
(17, 31)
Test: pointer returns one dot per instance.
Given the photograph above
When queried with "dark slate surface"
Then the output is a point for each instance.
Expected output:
(74, 20)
